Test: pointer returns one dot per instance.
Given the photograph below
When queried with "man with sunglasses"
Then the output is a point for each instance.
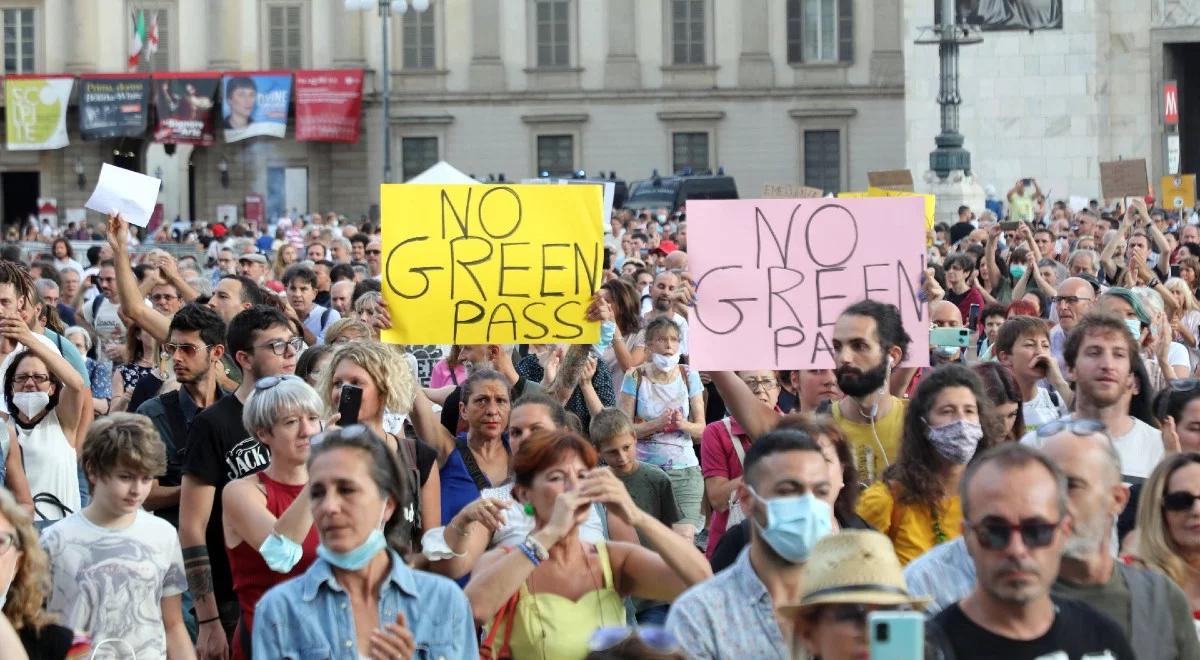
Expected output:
(220, 450)
(1015, 524)
(1151, 610)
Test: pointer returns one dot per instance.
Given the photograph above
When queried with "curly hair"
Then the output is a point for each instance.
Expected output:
(917, 469)
(17, 275)
(385, 366)
(626, 306)
(31, 583)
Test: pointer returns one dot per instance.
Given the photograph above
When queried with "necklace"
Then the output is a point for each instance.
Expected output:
(939, 536)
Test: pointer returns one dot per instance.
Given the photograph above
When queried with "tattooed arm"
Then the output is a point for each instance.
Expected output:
(195, 508)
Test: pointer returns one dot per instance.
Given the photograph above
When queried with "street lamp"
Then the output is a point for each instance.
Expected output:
(385, 9)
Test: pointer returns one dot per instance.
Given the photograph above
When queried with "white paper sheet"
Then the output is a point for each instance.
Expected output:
(131, 194)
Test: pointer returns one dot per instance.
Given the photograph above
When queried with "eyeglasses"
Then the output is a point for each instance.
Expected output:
(659, 639)
(996, 535)
(8, 540)
(279, 346)
(1180, 500)
(39, 379)
(856, 613)
(163, 296)
(1069, 300)
(375, 252)
(763, 384)
(1076, 426)
(268, 382)
(188, 350)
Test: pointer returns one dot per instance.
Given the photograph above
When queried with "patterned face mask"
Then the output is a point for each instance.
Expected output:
(956, 442)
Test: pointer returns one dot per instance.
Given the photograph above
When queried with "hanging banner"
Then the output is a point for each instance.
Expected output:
(36, 112)
(328, 105)
(113, 106)
(255, 103)
(184, 105)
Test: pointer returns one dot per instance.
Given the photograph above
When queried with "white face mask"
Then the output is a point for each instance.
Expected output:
(665, 362)
(31, 403)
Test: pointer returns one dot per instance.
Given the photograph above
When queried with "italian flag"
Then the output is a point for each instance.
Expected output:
(138, 40)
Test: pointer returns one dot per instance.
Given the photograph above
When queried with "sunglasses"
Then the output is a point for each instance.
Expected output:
(659, 639)
(995, 535)
(188, 350)
(1179, 501)
(1076, 426)
(1069, 300)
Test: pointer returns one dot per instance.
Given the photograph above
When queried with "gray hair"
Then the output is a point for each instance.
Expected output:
(340, 240)
(1103, 440)
(1060, 271)
(1093, 257)
(289, 396)
(1010, 456)
(77, 330)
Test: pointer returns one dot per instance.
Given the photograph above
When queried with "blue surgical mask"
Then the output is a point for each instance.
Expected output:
(359, 557)
(665, 362)
(794, 524)
(280, 553)
(1017, 271)
(1135, 328)
(947, 351)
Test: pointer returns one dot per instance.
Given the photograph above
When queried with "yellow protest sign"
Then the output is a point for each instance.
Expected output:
(930, 200)
(481, 264)
(1178, 192)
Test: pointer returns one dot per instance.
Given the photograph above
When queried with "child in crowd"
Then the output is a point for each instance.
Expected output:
(116, 570)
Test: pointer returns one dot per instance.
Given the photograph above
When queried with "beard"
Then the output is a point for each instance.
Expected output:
(662, 304)
(1087, 539)
(857, 384)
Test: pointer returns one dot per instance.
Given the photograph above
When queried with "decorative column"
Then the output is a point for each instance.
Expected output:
(755, 69)
(486, 72)
(621, 68)
(225, 35)
(348, 37)
(82, 53)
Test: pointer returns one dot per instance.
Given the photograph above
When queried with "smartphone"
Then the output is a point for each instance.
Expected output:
(1010, 225)
(896, 635)
(950, 337)
(1027, 181)
(348, 405)
(973, 317)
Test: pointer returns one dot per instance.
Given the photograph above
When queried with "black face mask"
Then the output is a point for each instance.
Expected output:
(859, 384)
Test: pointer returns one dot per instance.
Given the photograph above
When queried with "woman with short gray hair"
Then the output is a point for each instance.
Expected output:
(269, 532)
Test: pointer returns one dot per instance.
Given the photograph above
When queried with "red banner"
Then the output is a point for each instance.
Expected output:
(1170, 103)
(329, 105)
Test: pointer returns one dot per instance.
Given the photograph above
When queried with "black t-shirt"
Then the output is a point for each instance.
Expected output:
(1078, 630)
(220, 450)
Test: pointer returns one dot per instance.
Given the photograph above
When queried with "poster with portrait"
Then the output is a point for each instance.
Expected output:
(254, 104)
(184, 105)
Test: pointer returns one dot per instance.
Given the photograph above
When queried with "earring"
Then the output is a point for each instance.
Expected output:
(529, 509)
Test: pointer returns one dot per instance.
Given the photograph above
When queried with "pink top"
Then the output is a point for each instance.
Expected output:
(442, 376)
(718, 459)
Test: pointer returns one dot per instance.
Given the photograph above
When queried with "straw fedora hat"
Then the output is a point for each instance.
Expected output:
(854, 566)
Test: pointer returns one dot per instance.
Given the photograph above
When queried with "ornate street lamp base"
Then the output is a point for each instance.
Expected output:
(949, 155)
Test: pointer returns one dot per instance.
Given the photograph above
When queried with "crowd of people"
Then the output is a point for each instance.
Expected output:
(179, 480)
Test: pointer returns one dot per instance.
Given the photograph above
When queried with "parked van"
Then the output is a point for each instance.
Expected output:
(672, 192)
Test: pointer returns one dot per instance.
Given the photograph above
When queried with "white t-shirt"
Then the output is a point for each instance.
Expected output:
(106, 321)
(1177, 355)
(108, 582)
(1041, 409)
(1140, 449)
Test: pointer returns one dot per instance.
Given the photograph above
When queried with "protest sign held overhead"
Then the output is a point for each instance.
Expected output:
(477, 264)
(35, 113)
(790, 191)
(772, 275)
(125, 192)
(184, 104)
(930, 201)
(255, 104)
(1124, 178)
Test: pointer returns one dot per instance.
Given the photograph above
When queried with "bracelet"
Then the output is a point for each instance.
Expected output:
(530, 553)
(215, 618)
(1153, 283)
(537, 547)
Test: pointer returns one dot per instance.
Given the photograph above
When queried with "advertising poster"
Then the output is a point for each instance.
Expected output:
(113, 106)
(184, 105)
(254, 104)
(36, 112)
(329, 105)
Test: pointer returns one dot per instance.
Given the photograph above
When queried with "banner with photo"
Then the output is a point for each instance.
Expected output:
(36, 112)
(113, 106)
(995, 15)
(183, 103)
(255, 103)
(329, 105)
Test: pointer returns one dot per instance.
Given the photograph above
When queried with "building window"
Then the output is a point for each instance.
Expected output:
(420, 45)
(687, 31)
(823, 160)
(285, 36)
(820, 31)
(158, 20)
(417, 155)
(556, 154)
(689, 150)
(18, 30)
(552, 30)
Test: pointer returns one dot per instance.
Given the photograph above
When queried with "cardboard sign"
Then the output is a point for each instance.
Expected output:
(484, 264)
(772, 276)
(891, 179)
(1178, 192)
(930, 201)
(1124, 178)
(790, 191)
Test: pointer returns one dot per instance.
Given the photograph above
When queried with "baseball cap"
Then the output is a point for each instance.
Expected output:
(253, 256)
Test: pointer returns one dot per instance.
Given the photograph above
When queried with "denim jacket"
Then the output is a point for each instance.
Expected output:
(309, 617)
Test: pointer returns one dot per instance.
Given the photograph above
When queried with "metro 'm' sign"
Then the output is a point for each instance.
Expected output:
(1170, 103)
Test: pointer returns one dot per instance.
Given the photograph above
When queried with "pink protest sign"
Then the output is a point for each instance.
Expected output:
(773, 275)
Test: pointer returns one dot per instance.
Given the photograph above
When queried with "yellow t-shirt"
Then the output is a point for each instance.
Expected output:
(867, 457)
(914, 533)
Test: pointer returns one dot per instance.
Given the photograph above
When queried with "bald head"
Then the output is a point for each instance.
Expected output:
(340, 295)
(1091, 455)
(677, 260)
(945, 314)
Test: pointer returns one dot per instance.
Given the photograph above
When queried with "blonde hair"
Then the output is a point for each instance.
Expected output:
(347, 326)
(277, 265)
(1154, 547)
(31, 582)
(386, 367)
(1183, 294)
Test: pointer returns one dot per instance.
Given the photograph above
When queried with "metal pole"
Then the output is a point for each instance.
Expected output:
(385, 14)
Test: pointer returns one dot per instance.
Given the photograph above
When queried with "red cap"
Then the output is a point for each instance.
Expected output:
(666, 247)
(218, 230)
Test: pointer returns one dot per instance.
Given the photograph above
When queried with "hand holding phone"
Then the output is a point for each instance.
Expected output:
(896, 635)
(349, 402)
